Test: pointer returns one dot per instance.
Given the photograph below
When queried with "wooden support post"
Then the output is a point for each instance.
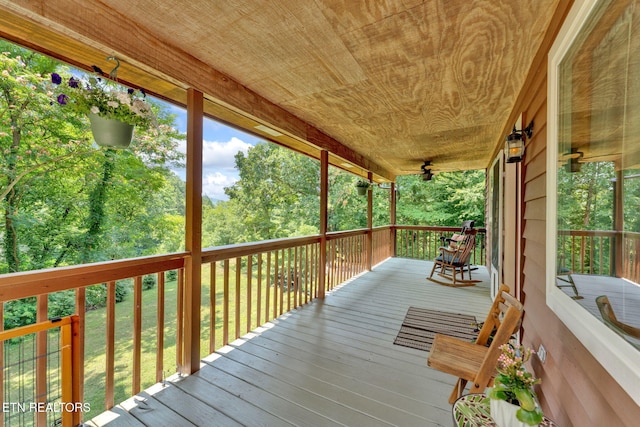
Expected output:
(392, 218)
(324, 197)
(618, 224)
(369, 244)
(193, 233)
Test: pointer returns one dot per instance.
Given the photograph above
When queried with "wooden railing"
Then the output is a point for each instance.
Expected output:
(250, 284)
(346, 256)
(44, 283)
(420, 242)
(586, 251)
(382, 238)
(243, 286)
(609, 253)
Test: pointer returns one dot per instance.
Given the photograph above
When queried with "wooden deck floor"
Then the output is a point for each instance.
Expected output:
(331, 362)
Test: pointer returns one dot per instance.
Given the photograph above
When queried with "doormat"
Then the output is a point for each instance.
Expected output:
(420, 326)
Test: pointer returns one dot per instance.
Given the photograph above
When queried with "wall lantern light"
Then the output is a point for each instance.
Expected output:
(514, 143)
(426, 173)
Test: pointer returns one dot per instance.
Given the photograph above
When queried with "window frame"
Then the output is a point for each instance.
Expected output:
(617, 357)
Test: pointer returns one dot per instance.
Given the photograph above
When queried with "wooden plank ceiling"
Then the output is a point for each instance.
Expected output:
(383, 84)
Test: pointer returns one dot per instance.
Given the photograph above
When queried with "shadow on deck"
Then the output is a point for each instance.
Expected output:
(331, 362)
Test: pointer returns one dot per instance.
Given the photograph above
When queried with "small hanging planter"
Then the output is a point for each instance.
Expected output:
(113, 110)
(362, 187)
(110, 133)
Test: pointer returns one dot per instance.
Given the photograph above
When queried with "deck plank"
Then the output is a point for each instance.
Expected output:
(380, 410)
(330, 362)
(284, 409)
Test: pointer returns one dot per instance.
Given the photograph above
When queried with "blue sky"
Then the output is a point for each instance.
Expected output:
(220, 145)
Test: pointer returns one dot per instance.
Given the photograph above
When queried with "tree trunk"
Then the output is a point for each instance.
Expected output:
(11, 248)
(96, 218)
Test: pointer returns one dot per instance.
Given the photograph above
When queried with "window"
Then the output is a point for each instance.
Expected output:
(593, 226)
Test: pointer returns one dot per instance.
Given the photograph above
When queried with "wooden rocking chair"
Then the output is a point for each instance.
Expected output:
(454, 258)
(610, 319)
(477, 361)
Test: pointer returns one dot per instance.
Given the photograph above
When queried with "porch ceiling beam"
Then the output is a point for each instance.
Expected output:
(70, 29)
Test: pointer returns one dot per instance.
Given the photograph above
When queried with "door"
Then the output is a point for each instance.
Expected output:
(495, 222)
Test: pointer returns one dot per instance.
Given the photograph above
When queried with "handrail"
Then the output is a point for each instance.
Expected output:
(220, 253)
(31, 283)
(332, 235)
(591, 233)
(422, 242)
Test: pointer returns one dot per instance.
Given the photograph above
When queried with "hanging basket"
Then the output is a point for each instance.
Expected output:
(362, 191)
(110, 133)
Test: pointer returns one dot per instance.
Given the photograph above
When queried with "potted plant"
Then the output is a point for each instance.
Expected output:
(512, 398)
(362, 187)
(112, 111)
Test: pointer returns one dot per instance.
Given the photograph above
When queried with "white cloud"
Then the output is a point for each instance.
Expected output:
(213, 185)
(218, 164)
(221, 154)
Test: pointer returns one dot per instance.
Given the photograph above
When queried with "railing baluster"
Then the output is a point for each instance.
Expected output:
(259, 291)
(160, 326)
(249, 296)
(179, 318)
(600, 257)
(225, 304)
(281, 271)
(276, 284)
(307, 273)
(267, 292)
(288, 278)
(137, 333)
(42, 312)
(314, 266)
(238, 297)
(213, 304)
(110, 344)
(296, 272)
(81, 312)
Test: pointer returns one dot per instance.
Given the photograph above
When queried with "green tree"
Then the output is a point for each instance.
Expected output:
(447, 200)
(34, 141)
(62, 198)
(277, 194)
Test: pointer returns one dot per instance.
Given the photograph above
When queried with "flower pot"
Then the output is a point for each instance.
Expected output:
(362, 191)
(504, 414)
(110, 133)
